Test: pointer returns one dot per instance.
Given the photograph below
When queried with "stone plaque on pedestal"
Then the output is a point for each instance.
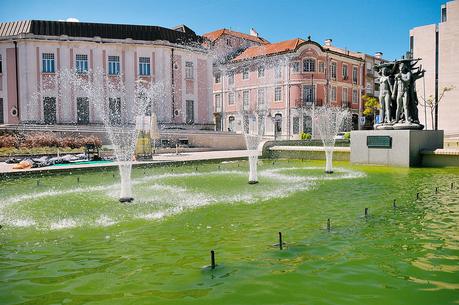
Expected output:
(393, 147)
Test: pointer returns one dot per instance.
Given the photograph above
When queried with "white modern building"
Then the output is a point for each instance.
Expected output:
(438, 46)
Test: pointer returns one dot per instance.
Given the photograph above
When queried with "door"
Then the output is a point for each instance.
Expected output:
(2, 120)
(49, 110)
(83, 110)
(189, 112)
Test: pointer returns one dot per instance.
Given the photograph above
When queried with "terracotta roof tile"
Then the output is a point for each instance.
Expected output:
(270, 49)
(212, 36)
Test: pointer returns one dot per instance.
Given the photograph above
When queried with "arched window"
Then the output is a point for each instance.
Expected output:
(278, 123)
(231, 124)
(309, 65)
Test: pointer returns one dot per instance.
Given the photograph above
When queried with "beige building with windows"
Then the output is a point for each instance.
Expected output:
(438, 46)
(33, 51)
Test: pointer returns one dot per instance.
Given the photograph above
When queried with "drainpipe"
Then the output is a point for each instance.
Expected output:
(222, 120)
(173, 84)
(17, 77)
(359, 91)
(436, 76)
(288, 101)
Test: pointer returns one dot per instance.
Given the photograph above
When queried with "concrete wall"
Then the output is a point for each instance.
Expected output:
(406, 147)
(214, 140)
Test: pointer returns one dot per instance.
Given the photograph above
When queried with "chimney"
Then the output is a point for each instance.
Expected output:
(328, 42)
(378, 55)
(253, 32)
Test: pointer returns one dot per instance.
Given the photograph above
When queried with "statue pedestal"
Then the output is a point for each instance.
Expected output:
(393, 147)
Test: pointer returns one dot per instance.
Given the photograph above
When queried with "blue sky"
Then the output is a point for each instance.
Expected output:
(366, 25)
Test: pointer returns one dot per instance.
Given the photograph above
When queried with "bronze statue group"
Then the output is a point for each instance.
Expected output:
(397, 94)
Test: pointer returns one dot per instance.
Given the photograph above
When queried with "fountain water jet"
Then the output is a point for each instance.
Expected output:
(119, 105)
(253, 129)
(329, 121)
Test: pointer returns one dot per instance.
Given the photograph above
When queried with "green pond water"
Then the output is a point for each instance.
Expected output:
(64, 242)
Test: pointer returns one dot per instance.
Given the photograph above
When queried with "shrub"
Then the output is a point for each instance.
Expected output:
(8, 141)
(306, 136)
(47, 139)
(347, 135)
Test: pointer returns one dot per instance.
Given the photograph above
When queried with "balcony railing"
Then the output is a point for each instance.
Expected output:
(307, 102)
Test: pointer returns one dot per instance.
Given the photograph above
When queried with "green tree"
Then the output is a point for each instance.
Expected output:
(371, 106)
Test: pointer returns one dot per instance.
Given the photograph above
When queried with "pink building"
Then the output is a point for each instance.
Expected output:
(31, 51)
(288, 78)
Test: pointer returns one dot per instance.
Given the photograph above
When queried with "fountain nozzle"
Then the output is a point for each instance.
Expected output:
(126, 199)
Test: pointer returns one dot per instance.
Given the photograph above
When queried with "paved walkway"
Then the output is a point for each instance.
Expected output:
(161, 158)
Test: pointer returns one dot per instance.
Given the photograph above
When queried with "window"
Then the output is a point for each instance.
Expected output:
(228, 42)
(369, 88)
(354, 75)
(2, 120)
(278, 123)
(113, 65)
(231, 124)
(81, 63)
(189, 112)
(354, 96)
(245, 100)
(82, 110)
(189, 71)
(1, 71)
(231, 98)
(321, 67)
(245, 73)
(345, 74)
(144, 66)
(261, 71)
(443, 13)
(114, 107)
(308, 95)
(218, 102)
(333, 93)
(277, 94)
(231, 78)
(345, 95)
(333, 70)
(296, 125)
(48, 62)
(309, 65)
(277, 72)
(49, 110)
(296, 66)
(217, 78)
(261, 96)
(307, 124)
